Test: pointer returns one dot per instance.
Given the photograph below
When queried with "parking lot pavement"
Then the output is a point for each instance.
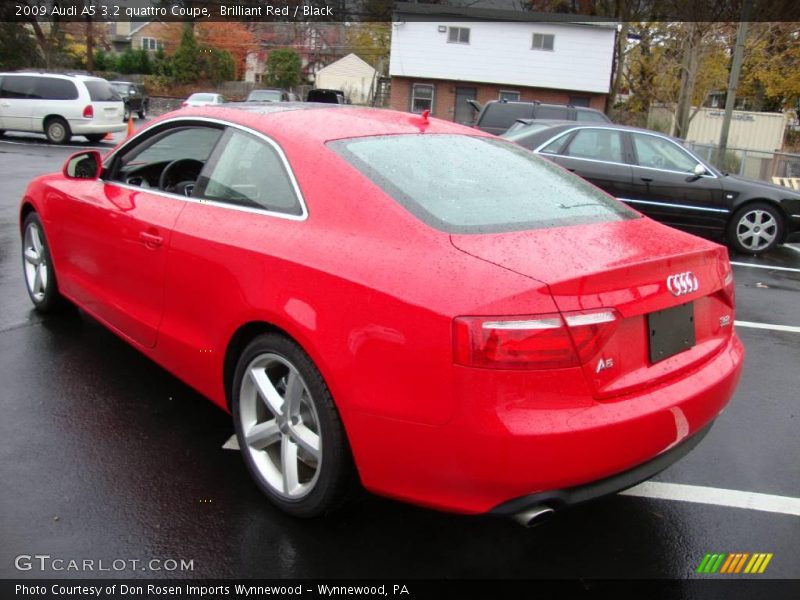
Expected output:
(105, 455)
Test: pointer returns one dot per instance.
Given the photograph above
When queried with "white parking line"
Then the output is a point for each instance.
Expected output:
(741, 264)
(769, 326)
(793, 247)
(720, 497)
(231, 444)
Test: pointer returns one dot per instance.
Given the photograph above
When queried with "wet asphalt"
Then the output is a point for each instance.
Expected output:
(104, 455)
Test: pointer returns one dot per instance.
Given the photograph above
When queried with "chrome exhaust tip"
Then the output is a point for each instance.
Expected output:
(533, 516)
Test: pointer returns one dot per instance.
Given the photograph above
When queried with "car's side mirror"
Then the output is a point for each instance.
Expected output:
(699, 170)
(84, 165)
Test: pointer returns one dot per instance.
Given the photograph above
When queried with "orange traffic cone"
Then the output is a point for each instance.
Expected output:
(108, 137)
(130, 126)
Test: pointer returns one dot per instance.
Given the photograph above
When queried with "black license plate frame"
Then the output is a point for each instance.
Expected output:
(670, 331)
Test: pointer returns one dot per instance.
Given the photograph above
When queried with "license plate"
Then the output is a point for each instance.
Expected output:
(671, 331)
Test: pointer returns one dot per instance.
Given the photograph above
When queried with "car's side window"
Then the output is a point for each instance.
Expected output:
(557, 145)
(596, 144)
(248, 171)
(658, 153)
(170, 160)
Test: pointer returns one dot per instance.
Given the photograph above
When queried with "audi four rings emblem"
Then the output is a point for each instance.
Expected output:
(681, 284)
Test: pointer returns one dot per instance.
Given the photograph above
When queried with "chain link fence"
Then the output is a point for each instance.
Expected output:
(750, 163)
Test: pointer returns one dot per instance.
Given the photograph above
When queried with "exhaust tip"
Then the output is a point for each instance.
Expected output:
(533, 516)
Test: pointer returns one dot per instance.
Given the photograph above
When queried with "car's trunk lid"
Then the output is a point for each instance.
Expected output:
(626, 265)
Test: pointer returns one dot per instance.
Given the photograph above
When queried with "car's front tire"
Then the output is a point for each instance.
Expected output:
(57, 130)
(756, 228)
(142, 112)
(288, 428)
(126, 114)
(40, 276)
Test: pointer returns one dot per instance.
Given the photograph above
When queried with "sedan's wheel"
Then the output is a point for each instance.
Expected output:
(755, 229)
(40, 278)
(57, 131)
(288, 428)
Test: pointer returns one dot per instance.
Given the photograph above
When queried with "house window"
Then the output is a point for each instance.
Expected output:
(152, 44)
(508, 96)
(421, 97)
(458, 35)
(543, 41)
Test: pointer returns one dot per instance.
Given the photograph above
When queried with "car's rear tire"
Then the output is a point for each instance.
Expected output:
(126, 114)
(40, 276)
(57, 130)
(289, 431)
(142, 112)
(756, 228)
(95, 137)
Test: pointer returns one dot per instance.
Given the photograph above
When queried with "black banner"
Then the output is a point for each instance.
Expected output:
(729, 589)
(386, 10)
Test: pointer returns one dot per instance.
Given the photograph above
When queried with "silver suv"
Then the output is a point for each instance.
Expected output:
(59, 106)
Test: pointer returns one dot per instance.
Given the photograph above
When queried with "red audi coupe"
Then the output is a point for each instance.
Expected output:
(404, 301)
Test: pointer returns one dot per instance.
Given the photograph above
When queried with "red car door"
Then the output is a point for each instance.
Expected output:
(115, 233)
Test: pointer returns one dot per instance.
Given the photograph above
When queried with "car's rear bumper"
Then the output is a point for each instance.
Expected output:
(80, 127)
(517, 435)
(557, 499)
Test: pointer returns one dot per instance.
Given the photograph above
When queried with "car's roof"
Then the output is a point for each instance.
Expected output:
(320, 122)
(557, 125)
(69, 76)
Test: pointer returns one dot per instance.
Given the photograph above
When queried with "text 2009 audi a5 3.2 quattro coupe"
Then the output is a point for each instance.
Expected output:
(407, 302)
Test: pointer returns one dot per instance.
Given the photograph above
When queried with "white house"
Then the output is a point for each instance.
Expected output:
(351, 75)
(441, 56)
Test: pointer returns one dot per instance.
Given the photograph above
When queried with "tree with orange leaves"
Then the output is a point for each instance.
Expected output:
(236, 38)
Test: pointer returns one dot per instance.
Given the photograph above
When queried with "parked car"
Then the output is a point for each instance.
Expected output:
(272, 95)
(497, 116)
(135, 98)
(59, 106)
(435, 325)
(326, 96)
(203, 99)
(660, 177)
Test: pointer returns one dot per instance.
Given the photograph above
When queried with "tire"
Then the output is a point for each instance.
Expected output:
(57, 130)
(40, 276)
(95, 137)
(756, 228)
(126, 114)
(142, 112)
(308, 438)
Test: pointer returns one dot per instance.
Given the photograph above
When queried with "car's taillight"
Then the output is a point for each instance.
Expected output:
(726, 274)
(88, 112)
(548, 341)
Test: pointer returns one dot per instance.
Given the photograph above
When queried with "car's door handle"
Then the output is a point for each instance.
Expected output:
(646, 179)
(151, 240)
(570, 170)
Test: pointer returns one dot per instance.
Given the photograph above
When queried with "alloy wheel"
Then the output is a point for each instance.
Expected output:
(35, 262)
(280, 426)
(756, 230)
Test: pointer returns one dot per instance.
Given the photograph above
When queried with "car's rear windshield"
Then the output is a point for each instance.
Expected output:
(265, 96)
(470, 184)
(203, 97)
(101, 91)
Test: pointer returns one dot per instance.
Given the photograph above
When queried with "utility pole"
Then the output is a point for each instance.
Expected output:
(733, 82)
